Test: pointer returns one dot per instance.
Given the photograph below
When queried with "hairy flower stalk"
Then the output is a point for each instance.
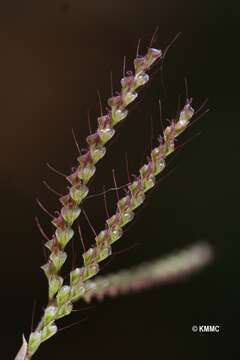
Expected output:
(61, 303)
(160, 271)
(78, 191)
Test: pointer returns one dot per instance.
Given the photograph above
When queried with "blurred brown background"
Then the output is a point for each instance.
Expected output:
(54, 56)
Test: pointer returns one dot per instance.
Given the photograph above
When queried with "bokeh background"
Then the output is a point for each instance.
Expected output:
(54, 56)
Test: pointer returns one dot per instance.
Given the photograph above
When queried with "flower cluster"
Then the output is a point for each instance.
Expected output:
(78, 191)
(63, 296)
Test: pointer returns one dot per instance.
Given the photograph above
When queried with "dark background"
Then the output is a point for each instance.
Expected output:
(54, 56)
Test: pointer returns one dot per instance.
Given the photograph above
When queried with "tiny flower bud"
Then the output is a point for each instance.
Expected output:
(118, 115)
(49, 314)
(104, 253)
(135, 187)
(64, 236)
(104, 121)
(146, 170)
(66, 200)
(113, 221)
(93, 139)
(64, 310)
(76, 275)
(90, 271)
(157, 160)
(78, 192)
(47, 268)
(115, 101)
(168, 132)
(90, 288)
(102, 237)
(97, 153)
(123, 203)
(185, 116)
(63, 295)
(129, 97)
(137, 200)
(140, 64)
(126, 217)
(140, 79)
(77, 291)
(106, 134)
(152, 56)
(51, 244)
(169, 147)
(86, 172)
(34, 342)
(148, 183)
(58, 259)
(89, 256)
(55, 282)
(115, 234)
(127, 82)
(48, 331)
(70, 214)
(159, 165)
(58, 221)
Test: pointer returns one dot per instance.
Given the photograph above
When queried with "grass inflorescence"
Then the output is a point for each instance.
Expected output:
(81, 284)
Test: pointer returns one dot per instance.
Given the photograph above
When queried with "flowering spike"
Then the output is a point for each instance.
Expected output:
(81, 174)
